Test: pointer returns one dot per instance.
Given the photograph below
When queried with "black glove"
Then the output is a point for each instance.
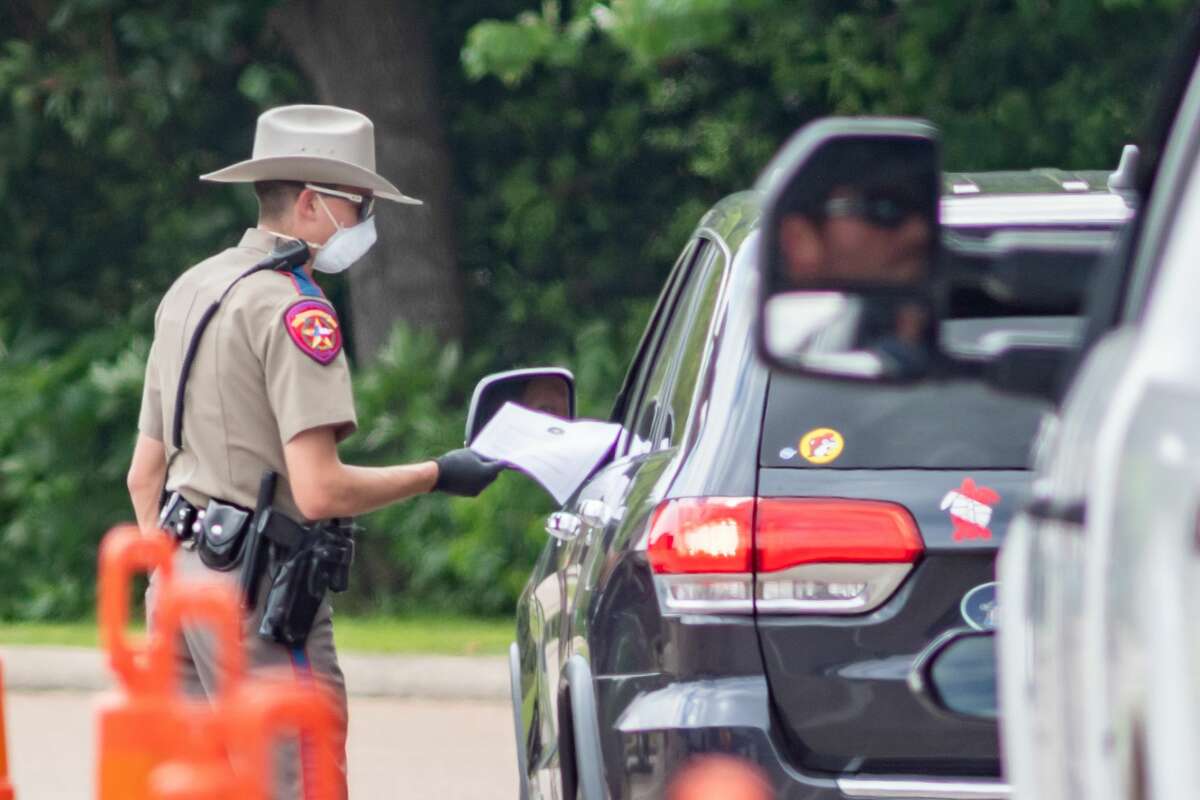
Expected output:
(465, 473)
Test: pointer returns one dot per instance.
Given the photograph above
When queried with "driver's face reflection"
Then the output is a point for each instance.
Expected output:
(859, 238)
(548, 395)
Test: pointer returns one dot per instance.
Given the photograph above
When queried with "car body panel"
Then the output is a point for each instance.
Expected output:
(840, 684)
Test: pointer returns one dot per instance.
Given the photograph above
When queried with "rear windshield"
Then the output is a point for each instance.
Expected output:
(812, 424)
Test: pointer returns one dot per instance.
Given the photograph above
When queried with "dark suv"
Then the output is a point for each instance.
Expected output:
(759, 564)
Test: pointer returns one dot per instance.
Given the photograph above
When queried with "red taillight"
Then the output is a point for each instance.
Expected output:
(792, 531)
(780, 555)
(701, 535)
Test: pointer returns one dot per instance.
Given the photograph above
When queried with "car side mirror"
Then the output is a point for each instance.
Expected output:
(851, 238)
(958, 674)
(547, 389)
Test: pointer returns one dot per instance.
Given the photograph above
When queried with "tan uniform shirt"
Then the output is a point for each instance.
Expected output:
(269, 366)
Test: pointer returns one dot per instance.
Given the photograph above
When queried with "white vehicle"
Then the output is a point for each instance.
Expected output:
(1099, 648)
(1099, 578)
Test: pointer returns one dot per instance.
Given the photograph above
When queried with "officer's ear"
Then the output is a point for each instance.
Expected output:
(305, 208)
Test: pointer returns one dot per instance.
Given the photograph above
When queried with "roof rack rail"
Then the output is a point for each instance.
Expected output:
(1124, 178)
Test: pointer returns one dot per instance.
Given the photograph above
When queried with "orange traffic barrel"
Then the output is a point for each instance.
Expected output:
(198, 766)
(125, 552)
(184, 781)
(6, 789)
(134, 727)
(268, 712)
(148, 721)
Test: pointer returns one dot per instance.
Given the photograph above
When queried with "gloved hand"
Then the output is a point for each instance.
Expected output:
(465, 473)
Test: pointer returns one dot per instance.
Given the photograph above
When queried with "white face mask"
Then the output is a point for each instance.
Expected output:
(345, 246)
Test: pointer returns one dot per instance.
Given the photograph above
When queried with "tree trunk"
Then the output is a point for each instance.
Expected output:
(376, 56)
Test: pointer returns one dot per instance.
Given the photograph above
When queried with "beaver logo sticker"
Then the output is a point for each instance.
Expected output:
(314, 329)
(821, 445)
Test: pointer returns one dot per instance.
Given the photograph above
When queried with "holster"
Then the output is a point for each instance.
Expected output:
(302, 574)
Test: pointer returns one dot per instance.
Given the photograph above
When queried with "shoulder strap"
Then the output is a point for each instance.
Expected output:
(287, 256)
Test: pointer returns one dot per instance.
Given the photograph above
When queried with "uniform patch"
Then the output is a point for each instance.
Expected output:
(821, 445)
(314, 329)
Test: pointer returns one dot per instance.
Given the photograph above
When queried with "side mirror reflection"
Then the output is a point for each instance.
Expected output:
(550, 390)
(851, 237)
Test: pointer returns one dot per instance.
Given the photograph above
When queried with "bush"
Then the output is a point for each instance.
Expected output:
(68, 431)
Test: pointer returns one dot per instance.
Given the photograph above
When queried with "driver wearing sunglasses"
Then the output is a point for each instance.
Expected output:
(858, 234)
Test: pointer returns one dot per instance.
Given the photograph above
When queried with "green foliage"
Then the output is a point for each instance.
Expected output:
(109, 109)
(69, 427)
(466, 555)
(589, 138)
(65, 437)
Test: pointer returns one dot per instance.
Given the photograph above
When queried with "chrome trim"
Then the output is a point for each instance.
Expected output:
(563, 525)
(882, 581)
(1034, 210)
(904, 788)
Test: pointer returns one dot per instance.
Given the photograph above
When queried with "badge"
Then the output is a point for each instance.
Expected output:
(980, 608)
(970, 508)
(821, 445)
(314, 329)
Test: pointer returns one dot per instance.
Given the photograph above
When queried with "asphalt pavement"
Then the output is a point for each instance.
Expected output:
(420, 726)
(398, 748)
(83, 669)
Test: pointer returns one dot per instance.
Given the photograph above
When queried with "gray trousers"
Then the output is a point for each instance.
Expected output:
(198, 660)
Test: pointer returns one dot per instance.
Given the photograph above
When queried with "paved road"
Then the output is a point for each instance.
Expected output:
(398, 748)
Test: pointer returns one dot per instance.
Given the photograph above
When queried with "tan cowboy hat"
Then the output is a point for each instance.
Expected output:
(319, 144)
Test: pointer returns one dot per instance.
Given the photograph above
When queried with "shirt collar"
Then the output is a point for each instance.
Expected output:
(259, 240)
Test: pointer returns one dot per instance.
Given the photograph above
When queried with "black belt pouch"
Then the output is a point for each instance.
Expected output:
(222, 534)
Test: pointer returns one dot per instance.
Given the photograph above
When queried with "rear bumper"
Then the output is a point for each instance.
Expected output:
(663, 728)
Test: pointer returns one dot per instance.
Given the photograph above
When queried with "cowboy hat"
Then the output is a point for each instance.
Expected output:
(320, 144)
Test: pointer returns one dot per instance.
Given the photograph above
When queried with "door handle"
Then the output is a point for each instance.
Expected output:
(594, 512)
(563, 525)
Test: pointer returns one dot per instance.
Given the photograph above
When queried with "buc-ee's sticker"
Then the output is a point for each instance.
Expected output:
(970, 508)
(314, 329)
(821, 445)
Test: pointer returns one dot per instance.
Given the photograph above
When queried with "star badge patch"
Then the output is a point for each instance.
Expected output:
(314, 329)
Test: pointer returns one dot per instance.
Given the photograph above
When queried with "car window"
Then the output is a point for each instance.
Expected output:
(627, 408)
(957, 424)
(678, 398)
(643, 421)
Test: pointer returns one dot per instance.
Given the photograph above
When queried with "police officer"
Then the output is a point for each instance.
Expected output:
(267, 387)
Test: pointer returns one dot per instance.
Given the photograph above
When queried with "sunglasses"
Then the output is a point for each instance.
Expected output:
(365, 203)
(886, 212)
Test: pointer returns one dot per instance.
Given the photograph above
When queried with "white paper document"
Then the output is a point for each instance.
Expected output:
(557, 453)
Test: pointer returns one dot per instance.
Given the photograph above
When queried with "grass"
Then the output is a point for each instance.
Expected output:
(414, 635)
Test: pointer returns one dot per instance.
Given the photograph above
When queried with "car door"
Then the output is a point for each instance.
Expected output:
(540, 612)
(610, 510)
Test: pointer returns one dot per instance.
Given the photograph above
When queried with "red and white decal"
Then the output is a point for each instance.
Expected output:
(970, 508)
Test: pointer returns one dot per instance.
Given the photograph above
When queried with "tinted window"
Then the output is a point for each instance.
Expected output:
(642, 416)
(951, 425)
(692, 348)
